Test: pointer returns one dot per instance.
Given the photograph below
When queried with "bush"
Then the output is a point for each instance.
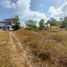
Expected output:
(16, 22)
(54, 22)
(16, 27)
(31, 25)
(41, 24)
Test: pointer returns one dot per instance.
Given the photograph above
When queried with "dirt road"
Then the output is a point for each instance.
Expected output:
(18, 55)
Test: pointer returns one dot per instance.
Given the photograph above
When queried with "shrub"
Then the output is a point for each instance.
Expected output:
(31, 25)
(41, 24)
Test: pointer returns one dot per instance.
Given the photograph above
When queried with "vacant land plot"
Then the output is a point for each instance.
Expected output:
(4, 50)
(24, 48)
(45, 48)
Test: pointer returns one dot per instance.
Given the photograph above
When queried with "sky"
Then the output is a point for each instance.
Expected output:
(33, 9)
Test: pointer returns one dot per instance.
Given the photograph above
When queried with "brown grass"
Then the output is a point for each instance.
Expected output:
(4, 50)
(45, 48)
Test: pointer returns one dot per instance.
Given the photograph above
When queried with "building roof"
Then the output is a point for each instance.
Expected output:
(10, 19)
(7, 20)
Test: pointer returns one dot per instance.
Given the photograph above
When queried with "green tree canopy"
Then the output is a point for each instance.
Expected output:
(41, 24)
(54, 22)
(31, 24)
(64, 22)
(16, 23)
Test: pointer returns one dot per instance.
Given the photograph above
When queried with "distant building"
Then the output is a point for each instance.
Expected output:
(6, 24)
(48, 24)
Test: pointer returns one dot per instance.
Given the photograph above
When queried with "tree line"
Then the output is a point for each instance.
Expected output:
(31, 24)
(42, 25)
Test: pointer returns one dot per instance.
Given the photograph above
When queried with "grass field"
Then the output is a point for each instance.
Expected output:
(45, 48)
(36, 48)
(4, 50)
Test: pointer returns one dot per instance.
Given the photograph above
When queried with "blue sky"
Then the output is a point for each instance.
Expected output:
(33, 9)
(44, 5)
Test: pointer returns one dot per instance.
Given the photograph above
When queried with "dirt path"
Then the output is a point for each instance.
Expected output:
(18, 54)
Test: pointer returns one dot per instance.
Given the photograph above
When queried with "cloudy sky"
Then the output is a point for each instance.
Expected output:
(33, 9)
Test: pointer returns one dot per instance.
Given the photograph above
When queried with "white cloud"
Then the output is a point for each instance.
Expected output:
(7, 4)
(57, 11)
(22, 8)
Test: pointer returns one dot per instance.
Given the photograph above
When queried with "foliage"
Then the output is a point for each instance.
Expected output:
(16, 22)
(64, 23)
(31, 25)
(54, 22)
(41, 24)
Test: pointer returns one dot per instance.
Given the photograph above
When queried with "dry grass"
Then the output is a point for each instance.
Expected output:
(3, 36)
(4, 50)
(4, 56)
(45, 48)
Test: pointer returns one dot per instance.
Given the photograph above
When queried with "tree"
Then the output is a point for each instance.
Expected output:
(31, 25)
(54, 22)
(16, 22)
(41, 24)
(64, 22)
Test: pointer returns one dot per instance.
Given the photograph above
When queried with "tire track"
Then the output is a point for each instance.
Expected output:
(18, 53)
